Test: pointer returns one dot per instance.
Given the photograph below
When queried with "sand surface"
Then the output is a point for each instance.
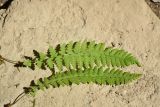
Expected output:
(34, 24)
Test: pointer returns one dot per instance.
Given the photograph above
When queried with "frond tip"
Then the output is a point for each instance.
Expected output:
(94, 75)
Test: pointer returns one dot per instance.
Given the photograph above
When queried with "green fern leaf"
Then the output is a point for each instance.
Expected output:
(73, 61)
(91, 45)
(42, 56)
(84, 45)
(39, 63)
(52, 52)
(62, 49)
(69, 48)
(40, 60)
(95, 75)
(84, 55)
(58, 61)
(77, 47)
(79, 61)
(27, 63)
(66, 61)
(50, 63)
(86, 62)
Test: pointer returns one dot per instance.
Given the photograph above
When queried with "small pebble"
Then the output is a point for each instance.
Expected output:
(156, 1)
(2, 2)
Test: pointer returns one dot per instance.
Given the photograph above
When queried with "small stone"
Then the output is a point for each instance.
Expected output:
(2, 2)
(156, 1)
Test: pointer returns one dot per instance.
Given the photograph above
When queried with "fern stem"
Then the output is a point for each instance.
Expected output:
(19, 97)
(8, 60)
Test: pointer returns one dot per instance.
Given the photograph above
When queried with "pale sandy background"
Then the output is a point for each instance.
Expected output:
(128, 24)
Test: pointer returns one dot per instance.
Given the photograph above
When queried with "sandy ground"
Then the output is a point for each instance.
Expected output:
(33, 24)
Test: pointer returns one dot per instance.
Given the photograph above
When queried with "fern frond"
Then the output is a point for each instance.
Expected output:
(94, 75)
(84, 55)
(89, 54)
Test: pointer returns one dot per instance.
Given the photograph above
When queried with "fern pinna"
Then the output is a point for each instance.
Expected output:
(94, 75)
(81, 55)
